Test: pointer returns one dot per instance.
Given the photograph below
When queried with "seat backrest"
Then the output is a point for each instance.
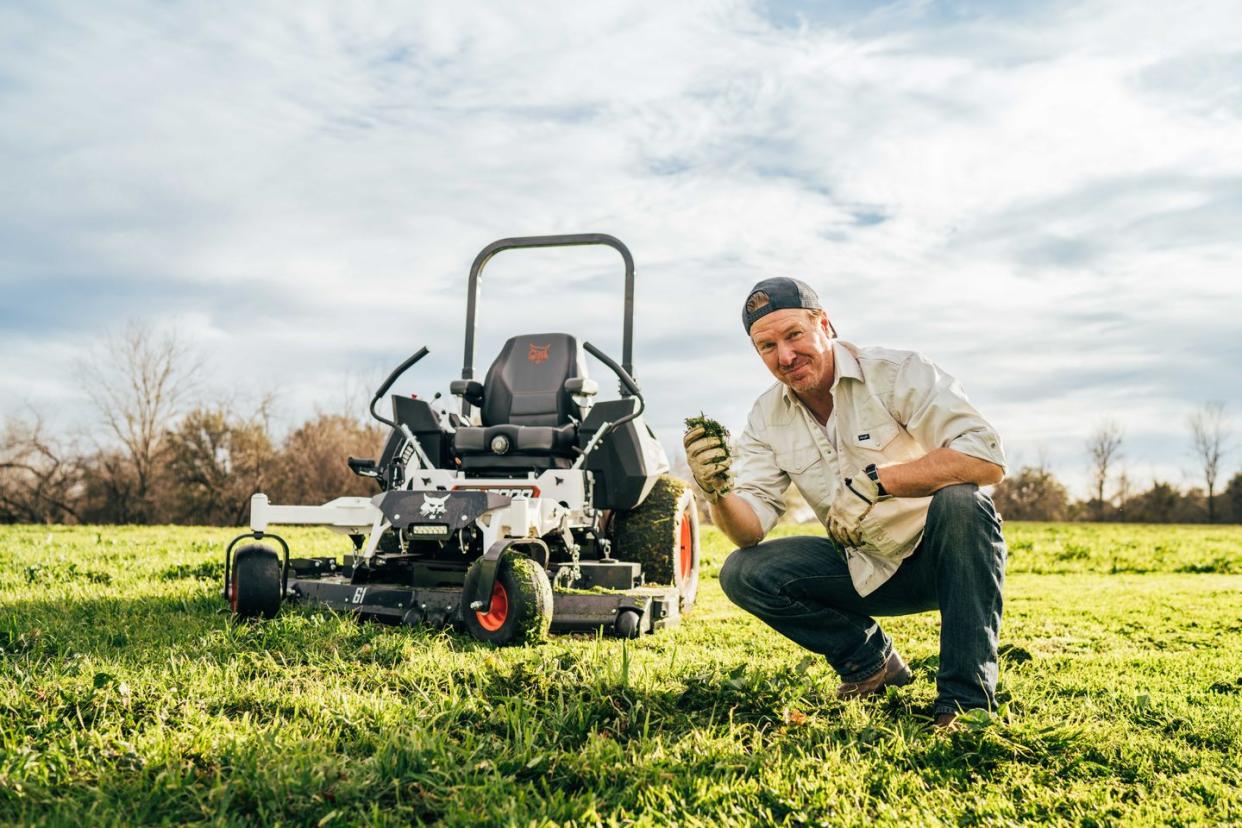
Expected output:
(526, 384)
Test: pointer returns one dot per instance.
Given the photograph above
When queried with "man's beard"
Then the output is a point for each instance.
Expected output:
(803, 385)
(806, 381)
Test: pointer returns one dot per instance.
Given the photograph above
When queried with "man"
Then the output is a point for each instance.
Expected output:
(889, 453)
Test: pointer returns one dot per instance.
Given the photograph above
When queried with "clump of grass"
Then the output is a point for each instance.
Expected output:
(711, 428)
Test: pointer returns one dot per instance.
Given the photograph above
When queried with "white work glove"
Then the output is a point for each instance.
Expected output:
(853, 501)
(709, 463)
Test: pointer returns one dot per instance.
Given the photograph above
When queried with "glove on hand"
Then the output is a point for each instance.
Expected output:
(853, 501)
(708, 457)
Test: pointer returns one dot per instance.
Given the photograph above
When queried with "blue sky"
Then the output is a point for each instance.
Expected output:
(1045, 198)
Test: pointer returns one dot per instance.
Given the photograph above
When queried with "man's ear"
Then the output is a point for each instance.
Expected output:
(826, 325)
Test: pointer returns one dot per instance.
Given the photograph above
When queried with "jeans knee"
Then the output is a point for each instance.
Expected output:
(964, 520)
(958, 500)
(963, 507)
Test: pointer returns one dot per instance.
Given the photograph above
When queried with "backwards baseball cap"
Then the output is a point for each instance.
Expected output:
(783, 294)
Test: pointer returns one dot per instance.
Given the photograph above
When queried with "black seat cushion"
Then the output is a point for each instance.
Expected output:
(526, 384)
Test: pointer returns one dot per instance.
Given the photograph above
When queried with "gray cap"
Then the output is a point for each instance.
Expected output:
(783, 293)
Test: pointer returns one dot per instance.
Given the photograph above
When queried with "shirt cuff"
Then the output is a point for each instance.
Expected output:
(984, 445)
(763, 511)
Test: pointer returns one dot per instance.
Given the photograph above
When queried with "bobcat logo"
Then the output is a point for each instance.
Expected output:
(538, 353)
(433, 507)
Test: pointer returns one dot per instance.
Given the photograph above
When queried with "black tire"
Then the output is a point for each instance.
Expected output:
(256, 582)
(521, 611)
(628, 624)
(662, 534)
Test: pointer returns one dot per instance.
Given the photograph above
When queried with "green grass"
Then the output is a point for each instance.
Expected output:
(127, 696)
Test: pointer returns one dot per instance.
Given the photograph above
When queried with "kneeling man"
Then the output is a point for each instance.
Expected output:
(890, 454)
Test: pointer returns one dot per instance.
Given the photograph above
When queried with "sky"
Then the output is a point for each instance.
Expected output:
(1043, 198)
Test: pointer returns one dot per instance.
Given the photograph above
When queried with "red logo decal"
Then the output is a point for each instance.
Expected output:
(538, 353)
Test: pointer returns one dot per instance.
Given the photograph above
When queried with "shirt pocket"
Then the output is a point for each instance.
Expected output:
(874, 438)
(797, 460)
(807, 470)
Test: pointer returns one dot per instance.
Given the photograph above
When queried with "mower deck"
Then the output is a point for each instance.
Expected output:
(573, 610)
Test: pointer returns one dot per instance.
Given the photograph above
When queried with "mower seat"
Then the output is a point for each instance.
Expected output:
(526, 403)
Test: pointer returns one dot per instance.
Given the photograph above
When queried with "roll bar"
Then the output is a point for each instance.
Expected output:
(573, 240)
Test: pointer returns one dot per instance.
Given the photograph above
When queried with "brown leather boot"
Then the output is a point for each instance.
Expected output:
(947, 722)
(894, 673)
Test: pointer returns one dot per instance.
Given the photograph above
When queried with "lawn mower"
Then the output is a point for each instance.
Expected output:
(534, 509)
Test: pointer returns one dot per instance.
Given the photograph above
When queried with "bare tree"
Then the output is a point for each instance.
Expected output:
(138, 383)
(1209, 431)
(39, 476)
(1104, 448)
(1125, 492)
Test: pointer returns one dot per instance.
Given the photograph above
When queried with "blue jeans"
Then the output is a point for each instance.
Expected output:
(800, 587)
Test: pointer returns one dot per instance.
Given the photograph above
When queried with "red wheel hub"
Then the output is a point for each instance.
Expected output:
(495, 617)
(685, 558)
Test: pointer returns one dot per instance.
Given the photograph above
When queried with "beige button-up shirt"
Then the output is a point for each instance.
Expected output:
(890, 407)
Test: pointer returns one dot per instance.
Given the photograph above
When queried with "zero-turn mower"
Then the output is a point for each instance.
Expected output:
(534, 508)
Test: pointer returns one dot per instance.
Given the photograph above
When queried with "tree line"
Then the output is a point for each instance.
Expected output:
(1034, 493)
(160, 454)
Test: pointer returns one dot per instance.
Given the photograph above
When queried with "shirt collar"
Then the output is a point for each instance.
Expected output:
(845, 366)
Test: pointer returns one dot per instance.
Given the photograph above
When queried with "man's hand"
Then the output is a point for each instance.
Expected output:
(708, 457)
(853, 501)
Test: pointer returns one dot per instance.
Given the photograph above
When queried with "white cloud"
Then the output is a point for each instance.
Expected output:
(1043, 198)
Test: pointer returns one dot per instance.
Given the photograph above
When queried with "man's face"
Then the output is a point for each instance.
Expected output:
(796, 348)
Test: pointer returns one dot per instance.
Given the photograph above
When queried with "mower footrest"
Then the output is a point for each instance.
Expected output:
(575, 611)
(612, 575)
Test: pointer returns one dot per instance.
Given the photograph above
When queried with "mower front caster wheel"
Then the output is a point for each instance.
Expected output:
(255, 587)
(521, 606)
(628, 624)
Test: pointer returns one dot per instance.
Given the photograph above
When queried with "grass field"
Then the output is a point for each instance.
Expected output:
(129, 697)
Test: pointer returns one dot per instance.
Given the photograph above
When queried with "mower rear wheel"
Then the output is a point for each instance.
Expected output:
(256, 582)
(521, 606)
(662, 534)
